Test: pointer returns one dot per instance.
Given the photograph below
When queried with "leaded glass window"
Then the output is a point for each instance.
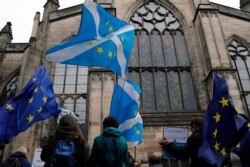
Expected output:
(160, 61)
(70, 86)
(10, 86)
(241, 62)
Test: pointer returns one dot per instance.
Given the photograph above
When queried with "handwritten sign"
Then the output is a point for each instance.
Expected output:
(178, 135)
(37, 162)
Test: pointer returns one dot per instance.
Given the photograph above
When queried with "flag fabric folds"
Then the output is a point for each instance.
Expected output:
(125, 108)
(35, 102)
(102, 40)
(222, 126)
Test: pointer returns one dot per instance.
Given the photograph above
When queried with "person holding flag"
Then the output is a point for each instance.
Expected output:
(222, 127)
(190, 150)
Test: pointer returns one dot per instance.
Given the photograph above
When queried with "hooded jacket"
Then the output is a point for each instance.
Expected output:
(109, 149)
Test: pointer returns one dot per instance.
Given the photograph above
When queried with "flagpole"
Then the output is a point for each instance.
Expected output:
(135, 153)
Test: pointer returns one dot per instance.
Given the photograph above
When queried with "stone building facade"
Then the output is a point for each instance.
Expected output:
(178, 45)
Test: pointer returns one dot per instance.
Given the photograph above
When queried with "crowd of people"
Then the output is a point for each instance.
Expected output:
(68, 148)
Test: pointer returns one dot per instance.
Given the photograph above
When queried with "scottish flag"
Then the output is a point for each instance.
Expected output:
(125, 108)
(102, 40)
(35, 102)
(223, 127)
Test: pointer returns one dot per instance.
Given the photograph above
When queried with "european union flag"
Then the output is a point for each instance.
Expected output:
(125, 108)
(35, 102)
(103, 40)
(222, 125)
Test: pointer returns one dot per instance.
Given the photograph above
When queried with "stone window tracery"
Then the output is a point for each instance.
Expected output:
(159, 61)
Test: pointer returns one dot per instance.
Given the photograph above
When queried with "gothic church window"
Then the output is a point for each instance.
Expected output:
(70, 86)
(160, 61)
(241, 62)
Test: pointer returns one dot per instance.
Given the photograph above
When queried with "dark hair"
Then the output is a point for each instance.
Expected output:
(110, 122)
(198, 122)
(70, 124)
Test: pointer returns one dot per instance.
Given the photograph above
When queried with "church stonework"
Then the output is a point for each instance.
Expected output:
(204, 29)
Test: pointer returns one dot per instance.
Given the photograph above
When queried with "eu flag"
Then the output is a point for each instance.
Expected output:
(35, 102)
(222, 125)
(125, 108)
(102, 40)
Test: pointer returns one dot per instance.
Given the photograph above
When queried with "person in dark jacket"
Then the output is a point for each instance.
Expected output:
(68, 128)
(21, 154)
(243, 151)
(154, 161)
(110, 148)
(190, 150)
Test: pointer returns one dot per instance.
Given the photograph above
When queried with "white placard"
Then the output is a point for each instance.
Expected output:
(37, 162)
(176, 134)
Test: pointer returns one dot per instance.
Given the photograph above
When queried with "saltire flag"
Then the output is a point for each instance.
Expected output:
(35, 102)
(222, 125)
(125, 108)
(102, 40)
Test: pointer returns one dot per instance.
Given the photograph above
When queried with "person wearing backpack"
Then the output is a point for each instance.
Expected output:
(67, 147)
(17, 159)
(110, 148)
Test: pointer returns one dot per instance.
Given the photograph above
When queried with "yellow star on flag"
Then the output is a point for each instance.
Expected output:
(9, 107)
(224, 102)
(30, 118)
(107, 22)
(217, 146)
(248, 125)
(110, 54)
(215, 133)
(34, 79)
(44, 99)
(36, 89)
(137, 132)
(217, 117)
(122, 38)
(40, 109)
(100, 50)
(223, 152)
(30, 100)
(90, 43)
(119, 48)
(110, 28)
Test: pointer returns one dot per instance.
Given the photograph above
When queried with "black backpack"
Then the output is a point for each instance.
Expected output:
(13, 161)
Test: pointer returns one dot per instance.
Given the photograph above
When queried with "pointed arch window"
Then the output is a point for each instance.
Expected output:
(70, 86)
(160, 62)
(241, 62)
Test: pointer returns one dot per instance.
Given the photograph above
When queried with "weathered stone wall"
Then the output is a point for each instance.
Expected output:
(10, 62)
(206, 34)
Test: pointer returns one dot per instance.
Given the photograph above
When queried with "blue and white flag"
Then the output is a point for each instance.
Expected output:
(102, 40)
(125, 108)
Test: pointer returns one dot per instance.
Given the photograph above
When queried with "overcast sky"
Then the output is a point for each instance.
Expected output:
(21, 14)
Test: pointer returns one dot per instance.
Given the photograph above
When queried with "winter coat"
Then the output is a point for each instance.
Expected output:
(22, 157)
(190, 150)
(109, 149)
(49, 148)
(244, 150)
